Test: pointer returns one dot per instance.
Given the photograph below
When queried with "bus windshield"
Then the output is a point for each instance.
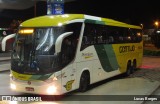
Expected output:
(34, 53)
(34, 49)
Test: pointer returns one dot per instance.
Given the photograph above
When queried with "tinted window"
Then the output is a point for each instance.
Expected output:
(95, 34)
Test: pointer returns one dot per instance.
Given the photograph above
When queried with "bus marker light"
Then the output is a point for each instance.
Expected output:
(13, 86)
(55, 79)
(60, 24)
(51, 80)
(25, 31)
(10, 75)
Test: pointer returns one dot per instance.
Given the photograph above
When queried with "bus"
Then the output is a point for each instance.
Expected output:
(56, 54)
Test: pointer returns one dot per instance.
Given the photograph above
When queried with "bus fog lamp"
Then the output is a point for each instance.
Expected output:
(13, 86)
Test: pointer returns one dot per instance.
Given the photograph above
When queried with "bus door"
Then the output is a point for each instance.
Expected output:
(68, 78)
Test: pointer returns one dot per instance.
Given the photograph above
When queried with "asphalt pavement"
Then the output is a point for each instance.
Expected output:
(5, 56)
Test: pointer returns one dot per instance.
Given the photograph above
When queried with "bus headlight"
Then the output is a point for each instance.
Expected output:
(13, 86)
(51, 89)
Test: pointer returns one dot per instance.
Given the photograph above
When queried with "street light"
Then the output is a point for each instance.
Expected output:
(156, 23)
(141, 25)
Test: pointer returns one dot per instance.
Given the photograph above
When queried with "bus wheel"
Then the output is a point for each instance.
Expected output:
(129, 69)
(84, 81)
(134, 66)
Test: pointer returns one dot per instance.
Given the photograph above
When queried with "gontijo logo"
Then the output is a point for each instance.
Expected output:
(87, 55)
(123, 49)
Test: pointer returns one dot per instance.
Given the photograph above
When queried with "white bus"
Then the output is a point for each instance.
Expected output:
(56, 54)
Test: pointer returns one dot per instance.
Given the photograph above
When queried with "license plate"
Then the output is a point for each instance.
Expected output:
(29, 89)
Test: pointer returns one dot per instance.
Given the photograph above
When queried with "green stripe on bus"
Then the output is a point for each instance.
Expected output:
(111, 57)
(107, 57)
(94, 21)
(44, 77)
(35, 77)
(40, 77)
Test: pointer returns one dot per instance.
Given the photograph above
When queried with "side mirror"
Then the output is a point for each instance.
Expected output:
(4, 41)
(59, 40)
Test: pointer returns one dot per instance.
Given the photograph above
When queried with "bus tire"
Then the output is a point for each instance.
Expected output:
(84, 81)
(129, 69)
(134, 66)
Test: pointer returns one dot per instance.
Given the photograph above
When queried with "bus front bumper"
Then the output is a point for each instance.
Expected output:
(35, 87)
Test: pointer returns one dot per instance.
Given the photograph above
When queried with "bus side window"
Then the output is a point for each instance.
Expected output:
(111, 39)
(120, 39)
(84, 42)
(66, 51)
(89, 37)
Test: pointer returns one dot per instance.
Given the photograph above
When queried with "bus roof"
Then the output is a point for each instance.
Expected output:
(58, 20)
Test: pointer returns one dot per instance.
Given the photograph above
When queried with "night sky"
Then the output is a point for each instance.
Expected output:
(134, 12)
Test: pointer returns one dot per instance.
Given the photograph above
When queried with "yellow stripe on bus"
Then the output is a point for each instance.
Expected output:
(21, 76)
